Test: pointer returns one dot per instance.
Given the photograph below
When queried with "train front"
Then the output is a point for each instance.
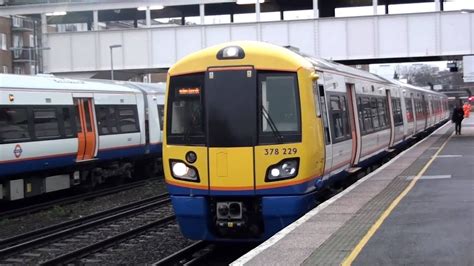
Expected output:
(241, 154)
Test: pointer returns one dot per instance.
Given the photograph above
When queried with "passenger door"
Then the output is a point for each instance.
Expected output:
(354, 124)
(327, 130)
(390, 117)
(86, 130)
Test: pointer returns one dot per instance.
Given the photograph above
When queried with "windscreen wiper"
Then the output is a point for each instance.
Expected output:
(276, 133)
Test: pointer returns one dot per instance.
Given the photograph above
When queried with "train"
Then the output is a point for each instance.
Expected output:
(58, 133)
(254, 131)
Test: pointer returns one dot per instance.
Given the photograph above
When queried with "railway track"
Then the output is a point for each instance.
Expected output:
(190, 255)
(72, 240)
(12, 213)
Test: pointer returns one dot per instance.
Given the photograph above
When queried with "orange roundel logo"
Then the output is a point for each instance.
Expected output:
(17, 151)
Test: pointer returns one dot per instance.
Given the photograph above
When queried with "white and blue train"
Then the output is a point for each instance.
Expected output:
(56, 133)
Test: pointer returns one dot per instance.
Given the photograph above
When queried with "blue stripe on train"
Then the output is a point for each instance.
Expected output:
(13, 168)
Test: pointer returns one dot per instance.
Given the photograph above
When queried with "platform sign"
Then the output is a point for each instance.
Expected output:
(468, 66)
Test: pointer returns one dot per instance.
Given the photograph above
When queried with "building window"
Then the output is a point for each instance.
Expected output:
(3, 41)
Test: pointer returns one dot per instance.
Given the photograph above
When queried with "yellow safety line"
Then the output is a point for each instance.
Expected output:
(355, 252)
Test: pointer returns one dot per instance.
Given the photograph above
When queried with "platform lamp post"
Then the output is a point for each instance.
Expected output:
(112, 59)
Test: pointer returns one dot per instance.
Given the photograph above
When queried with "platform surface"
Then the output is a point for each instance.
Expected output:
(418, 209)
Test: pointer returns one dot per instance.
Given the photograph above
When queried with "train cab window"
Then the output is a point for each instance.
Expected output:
(161, 114)
(185, 110)
(279, 99)
(128, 119)
(13, 124)
(45, 122)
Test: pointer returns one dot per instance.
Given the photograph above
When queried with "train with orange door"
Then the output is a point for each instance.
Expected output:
(253, 131)
(58, 133)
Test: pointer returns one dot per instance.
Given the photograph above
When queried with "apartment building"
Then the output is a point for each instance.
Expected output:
(5, 41)
(19, 39)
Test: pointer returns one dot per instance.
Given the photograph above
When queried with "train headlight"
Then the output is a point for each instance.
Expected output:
(285, 169)
(182, 171)
(231, 52)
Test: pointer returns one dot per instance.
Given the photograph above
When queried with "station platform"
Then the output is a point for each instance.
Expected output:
(418, 209)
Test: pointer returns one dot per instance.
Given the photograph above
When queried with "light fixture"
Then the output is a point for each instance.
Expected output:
(248, 2)
(154, 7)
(56, 13)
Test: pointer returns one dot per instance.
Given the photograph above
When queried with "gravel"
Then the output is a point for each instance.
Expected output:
(58, 214)
(146, 248)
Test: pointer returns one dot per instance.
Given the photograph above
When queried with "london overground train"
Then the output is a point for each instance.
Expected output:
(58, 133)
(253, 131)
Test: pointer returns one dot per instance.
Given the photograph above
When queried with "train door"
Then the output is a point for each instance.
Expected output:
(425, 110)
(231, 156)
(414, 113)
(86, 132)
(319, 87)
(354, 123)
(392, 122)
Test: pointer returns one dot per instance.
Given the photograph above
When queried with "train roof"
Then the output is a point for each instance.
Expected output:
(261, 55)
(50, 82)
(149, 88)
(324, 64)
(411, 87)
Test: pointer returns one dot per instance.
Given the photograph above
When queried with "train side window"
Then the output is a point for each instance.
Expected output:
(112, 120)
(161, 115)
(381, 112)
(409, 109)
(367, 114)
(345, 117)
(68, 122)
(360, 109)
(336, 113)
(102, 123)
(45, 122)
(128, 119)
(374, 115)
(13, 124)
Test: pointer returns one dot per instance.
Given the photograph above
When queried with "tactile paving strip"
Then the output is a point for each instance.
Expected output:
(337, 247)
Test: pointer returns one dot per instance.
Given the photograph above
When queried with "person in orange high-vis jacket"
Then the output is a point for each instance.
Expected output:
(467, 109)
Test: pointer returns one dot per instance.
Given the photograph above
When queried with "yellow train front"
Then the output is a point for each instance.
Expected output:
(243, 148)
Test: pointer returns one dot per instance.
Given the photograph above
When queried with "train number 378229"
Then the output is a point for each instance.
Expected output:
(283, 151)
